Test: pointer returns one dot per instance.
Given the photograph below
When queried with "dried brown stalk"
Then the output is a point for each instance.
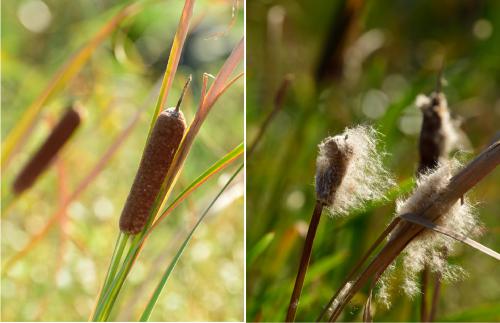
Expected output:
(304, 262)
(279, 101)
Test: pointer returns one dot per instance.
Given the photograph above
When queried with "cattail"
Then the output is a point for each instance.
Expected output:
(440, 133)
(49, 149)
(157, 158)
(349, 170)
(436, 196)
(430, 248)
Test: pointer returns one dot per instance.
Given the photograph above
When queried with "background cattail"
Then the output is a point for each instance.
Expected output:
(440, 133)
(49, 149)
(160, 150)
(349, 170)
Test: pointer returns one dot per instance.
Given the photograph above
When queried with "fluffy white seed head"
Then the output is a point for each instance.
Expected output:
(430, 248)
(383, 286)
(349, 170)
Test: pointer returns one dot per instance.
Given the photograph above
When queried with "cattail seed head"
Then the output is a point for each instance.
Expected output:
(156, 160)
(49, 149)
(430, 248)
(331, 166)
(349, 170)
(440, 133)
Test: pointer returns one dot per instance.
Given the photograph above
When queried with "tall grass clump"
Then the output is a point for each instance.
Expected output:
(166, 149)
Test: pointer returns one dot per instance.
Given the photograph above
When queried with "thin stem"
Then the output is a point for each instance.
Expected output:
(425, 285)
(186, 85)
(115, 259)
(377, 242)
(279, 101)
(304, 262)
(435, 297)
(117, 283)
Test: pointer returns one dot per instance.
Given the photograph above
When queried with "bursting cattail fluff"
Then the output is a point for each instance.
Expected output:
(431, 248)
(349, 170)
(157, 158)
(59, 136)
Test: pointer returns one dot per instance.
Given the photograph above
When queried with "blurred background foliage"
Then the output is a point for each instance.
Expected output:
(354, 62)
(59, 278)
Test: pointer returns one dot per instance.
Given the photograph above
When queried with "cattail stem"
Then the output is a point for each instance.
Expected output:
(423, 302)
(360, 263)
(184, 90)
(120, 244)
(435, 297)
(279, 101)
(304, 262)
(115, 259)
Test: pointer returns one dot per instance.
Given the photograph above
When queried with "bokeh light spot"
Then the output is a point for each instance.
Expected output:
(34, 15)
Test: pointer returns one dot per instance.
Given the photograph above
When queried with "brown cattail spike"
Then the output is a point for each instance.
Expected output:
(49, 149)
(433, 137)
(331, 166)
(160, 149)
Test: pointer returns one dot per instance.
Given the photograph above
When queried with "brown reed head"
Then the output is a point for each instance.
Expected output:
(349, 170)
(59, 136)
(164, 140)
(331, 165)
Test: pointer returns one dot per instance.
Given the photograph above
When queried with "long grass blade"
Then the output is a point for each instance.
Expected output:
(216, 167)
(459, 237)
(186, 143)
(173, 59)
(154, 298)
(260, 247)
(66, 73)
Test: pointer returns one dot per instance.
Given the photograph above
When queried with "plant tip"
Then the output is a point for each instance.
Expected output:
(184, 90)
